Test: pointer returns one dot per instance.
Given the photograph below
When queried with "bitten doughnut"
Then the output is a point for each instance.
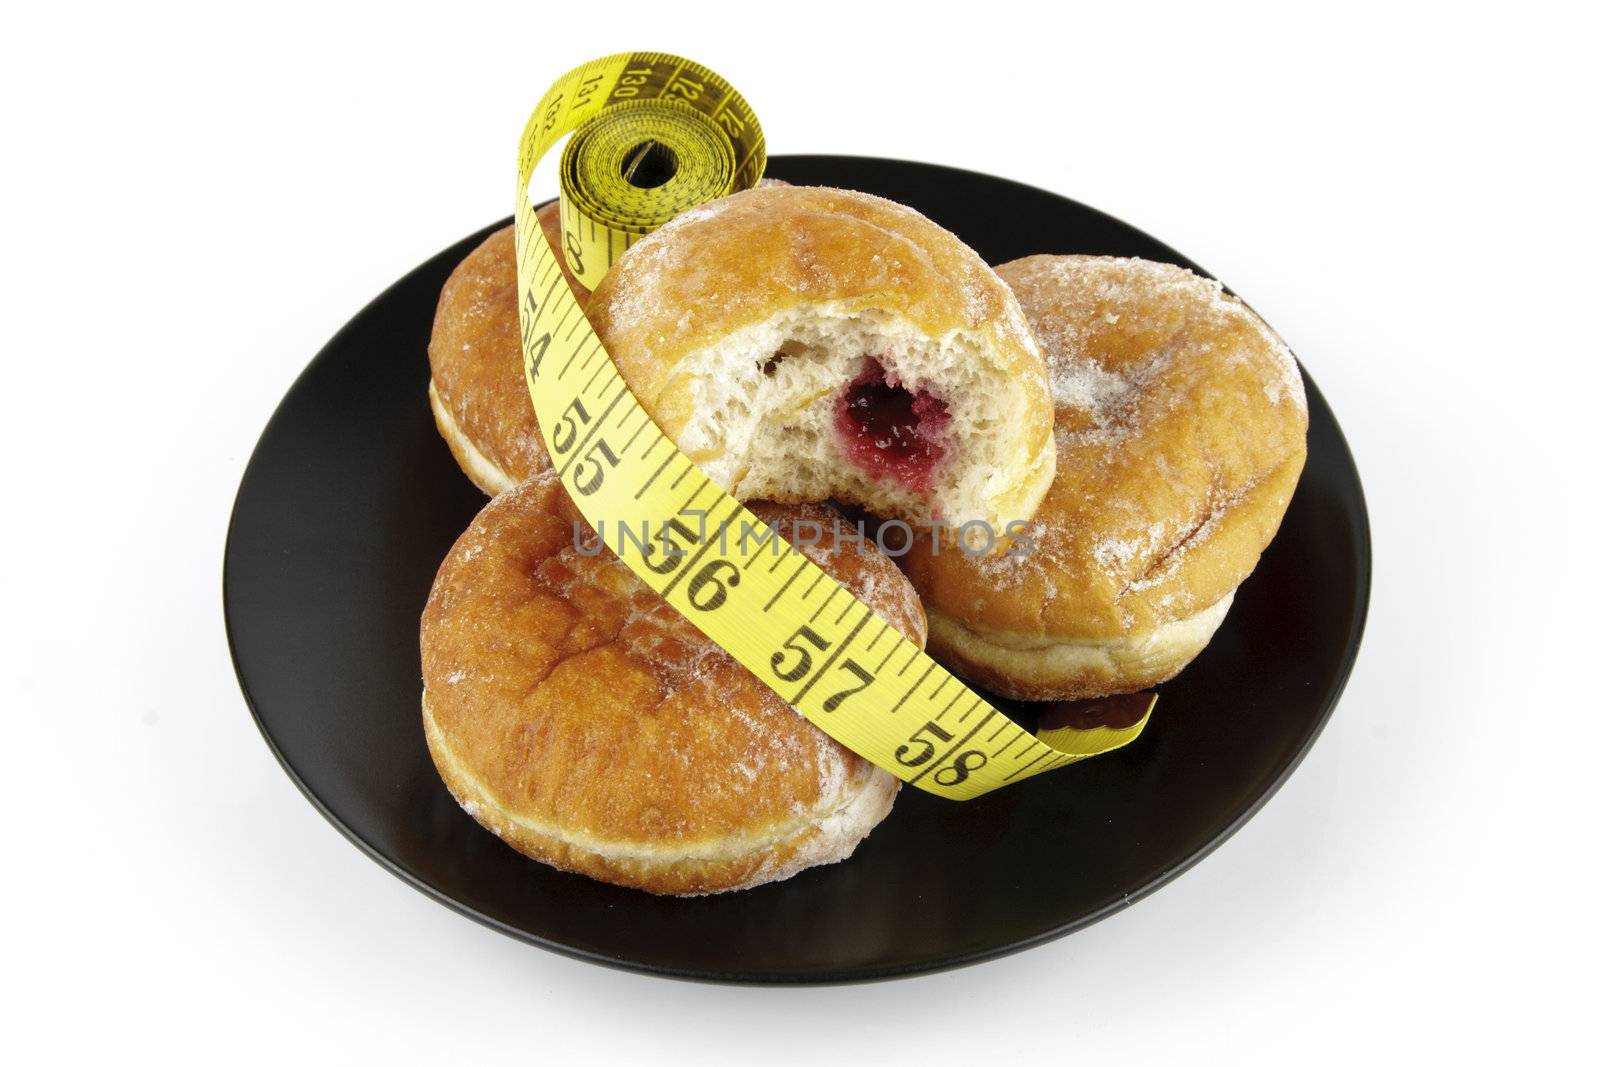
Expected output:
(576, 714)
(1180, 434)
(479, 398)
(802, 343)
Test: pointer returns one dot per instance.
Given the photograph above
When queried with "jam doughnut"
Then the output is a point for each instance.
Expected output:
(1180, 434)
(479, 398)
(802, 343)
(576, 714)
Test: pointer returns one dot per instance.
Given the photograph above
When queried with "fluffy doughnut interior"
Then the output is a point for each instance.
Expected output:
(862, 407)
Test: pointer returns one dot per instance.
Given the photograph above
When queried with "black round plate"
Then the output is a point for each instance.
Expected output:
(351, 500)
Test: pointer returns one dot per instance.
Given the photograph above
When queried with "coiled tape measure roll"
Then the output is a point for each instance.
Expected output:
(656, 134)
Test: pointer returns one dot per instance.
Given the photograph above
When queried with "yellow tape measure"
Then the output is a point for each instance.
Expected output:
(684, 136)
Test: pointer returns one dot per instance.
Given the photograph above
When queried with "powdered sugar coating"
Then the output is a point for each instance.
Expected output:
(596, 728)
(904, 252)
(1180, 428)
(1104, 290)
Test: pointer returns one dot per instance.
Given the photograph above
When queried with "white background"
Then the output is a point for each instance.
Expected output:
(195, 201)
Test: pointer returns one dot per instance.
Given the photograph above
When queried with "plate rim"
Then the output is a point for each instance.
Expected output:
(1361, 525)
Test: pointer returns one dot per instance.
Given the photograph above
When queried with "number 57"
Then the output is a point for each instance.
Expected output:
(802, 662)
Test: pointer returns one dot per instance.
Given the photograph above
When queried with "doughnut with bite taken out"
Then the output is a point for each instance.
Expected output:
(803, 343)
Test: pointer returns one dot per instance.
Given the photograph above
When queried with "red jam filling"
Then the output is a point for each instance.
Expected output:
(889, 431)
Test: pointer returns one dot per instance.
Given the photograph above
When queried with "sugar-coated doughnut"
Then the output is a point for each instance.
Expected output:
(477, 391)
(1180, 434)
(576, 714)
(802, 343)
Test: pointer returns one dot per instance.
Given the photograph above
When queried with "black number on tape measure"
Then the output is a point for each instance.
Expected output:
(802, 666)
(956, 771)
(586, 91)
(536, 357)
(574, 254)
(904, 752)
(586, 483)
(850, 665)
(667, 559)
(628, 84)
(708, 590)
(535, 349)
(553, 113)
(565, 435)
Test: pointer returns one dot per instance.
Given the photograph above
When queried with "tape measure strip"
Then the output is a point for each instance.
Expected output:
(780, 615)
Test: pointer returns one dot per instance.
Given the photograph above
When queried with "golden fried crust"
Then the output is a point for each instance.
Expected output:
(576, 714)
(479, 398)
(1180, 435)
(745, 258)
